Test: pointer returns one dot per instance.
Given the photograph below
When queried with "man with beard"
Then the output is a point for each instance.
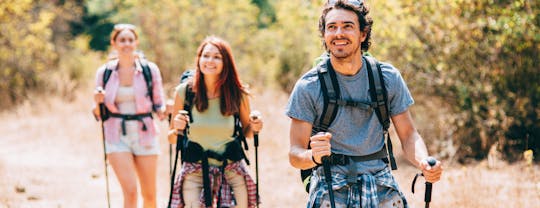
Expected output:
(362, 178)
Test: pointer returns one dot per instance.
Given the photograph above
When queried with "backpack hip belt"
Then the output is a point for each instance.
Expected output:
(194, 152)
(340, 159)
(127, 117)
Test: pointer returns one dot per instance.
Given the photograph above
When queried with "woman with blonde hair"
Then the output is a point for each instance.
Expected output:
(130, 88)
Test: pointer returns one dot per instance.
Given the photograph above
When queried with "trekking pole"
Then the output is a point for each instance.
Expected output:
(328, 178)
(427, 195)
(169, 107)
(256, 115)
(102, 116)
(180, 139)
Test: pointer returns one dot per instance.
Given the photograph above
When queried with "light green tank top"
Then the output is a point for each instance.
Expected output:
(210, 128)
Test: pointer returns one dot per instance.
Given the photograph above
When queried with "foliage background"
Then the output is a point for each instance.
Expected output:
(472, 65)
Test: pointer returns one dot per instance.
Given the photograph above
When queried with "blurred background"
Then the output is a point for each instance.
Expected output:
(472, 67)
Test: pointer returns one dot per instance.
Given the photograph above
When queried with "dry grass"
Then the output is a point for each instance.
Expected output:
(52, 156)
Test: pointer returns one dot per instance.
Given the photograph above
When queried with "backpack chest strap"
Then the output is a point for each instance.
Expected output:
(352, 103)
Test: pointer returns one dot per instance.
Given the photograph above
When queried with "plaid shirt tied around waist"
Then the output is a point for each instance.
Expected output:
(360, 193)
(222, 187)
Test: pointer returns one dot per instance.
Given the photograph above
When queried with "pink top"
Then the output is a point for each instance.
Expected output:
(143, 104)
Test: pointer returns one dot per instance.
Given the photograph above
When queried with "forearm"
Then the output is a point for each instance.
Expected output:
(248, 131)
(299, 155)
(414, 149)
(301, 158)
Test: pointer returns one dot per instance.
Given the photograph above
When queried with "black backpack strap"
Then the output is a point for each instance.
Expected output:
(331, 94)
(238, 135)
(188, 101)
(379, 98)
(377, 90)
(147, 73)
(187, 74)
(106, 75)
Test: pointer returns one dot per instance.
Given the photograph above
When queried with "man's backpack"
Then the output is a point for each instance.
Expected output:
(147, 73)
(332, 101)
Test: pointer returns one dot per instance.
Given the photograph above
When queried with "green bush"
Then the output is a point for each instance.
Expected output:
(480, 57)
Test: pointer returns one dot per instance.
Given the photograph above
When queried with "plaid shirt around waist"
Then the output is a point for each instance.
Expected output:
(362, 193)
(222, 187)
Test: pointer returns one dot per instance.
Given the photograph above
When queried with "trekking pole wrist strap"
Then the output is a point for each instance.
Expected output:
(313, 159)
(176, 132)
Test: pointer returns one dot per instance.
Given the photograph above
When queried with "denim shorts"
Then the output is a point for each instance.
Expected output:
(132, 144)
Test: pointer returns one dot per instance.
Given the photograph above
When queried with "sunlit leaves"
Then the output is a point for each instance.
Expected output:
(481, 55)
(26, 48)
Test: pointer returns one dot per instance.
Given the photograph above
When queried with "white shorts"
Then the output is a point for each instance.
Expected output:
(132, 144)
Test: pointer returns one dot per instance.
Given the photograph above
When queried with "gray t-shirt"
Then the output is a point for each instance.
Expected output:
(355, 131)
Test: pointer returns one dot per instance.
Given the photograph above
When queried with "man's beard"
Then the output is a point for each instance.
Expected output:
(343, 53)
(340, 54)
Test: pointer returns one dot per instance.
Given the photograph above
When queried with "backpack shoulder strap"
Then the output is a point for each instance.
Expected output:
(147, 73)
(331, 94)
(377, 91)
(188, 101)
(239, 136)
(106, 75)
(379, 98)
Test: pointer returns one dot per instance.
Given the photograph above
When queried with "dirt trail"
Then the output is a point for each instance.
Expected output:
(51, 156)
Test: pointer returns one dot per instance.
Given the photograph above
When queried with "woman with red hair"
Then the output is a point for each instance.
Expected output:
(214, 165)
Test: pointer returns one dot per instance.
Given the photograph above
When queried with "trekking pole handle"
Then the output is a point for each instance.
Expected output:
(184, 113)
(101, 111)
(325, 160)
(179, 137)
(100, 90)
(427, 197)
(254, 115)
